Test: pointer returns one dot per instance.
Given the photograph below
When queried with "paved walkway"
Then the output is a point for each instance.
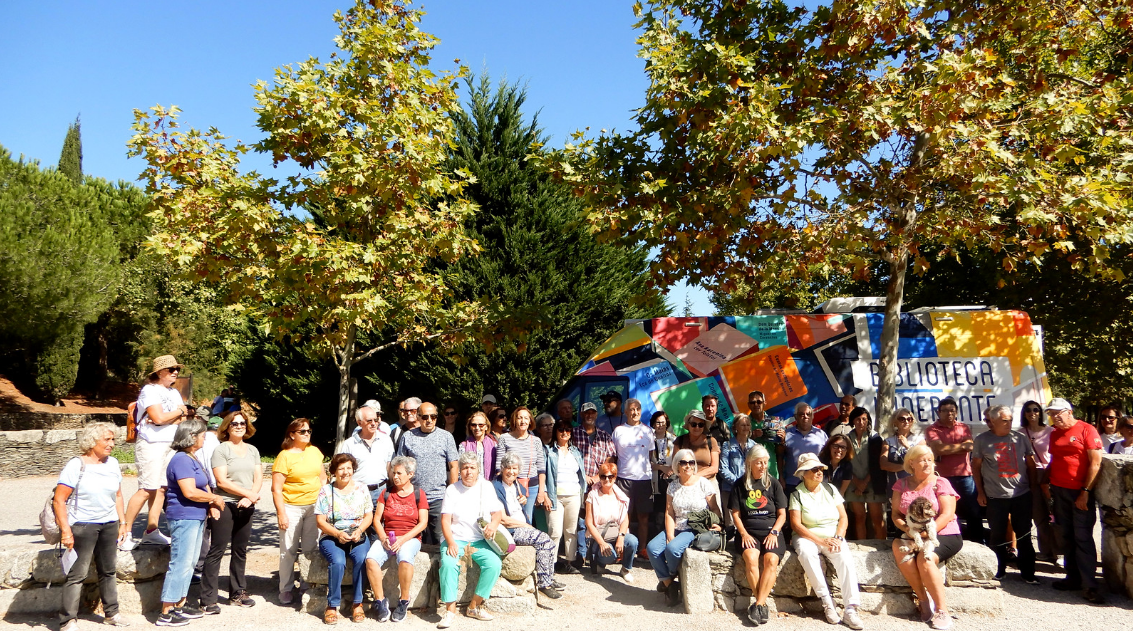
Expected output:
(590, 603)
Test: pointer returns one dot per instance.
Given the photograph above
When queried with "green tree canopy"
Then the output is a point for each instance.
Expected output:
(71, 158)
(780, 141)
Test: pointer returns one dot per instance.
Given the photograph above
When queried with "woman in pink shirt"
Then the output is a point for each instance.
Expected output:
(921, 573)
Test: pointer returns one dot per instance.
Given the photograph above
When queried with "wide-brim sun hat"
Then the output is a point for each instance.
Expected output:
(806, 463)
(163, 362)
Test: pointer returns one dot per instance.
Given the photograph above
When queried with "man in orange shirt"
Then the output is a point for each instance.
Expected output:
(1075, 459)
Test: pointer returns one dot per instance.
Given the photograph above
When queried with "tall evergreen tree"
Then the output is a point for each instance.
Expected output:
(71, 159)
(537, 256)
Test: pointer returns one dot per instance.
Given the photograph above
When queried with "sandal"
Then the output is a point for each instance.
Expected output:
(330, 616)
(359, 615)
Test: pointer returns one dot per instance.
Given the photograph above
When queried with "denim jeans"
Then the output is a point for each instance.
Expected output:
(629, 553)
(968, 507)
(532, 493)
(187, 535)
(582, 543)
(666, 557)
(335, 554)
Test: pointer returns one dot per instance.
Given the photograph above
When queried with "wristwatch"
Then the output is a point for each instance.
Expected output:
(775, 532)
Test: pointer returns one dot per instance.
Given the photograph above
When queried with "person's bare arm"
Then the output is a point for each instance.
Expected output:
(978, 478)
(157, 416)
(59, 506)
(277, 480)
(452, 472)
(1095, 456)
(940, 449)
(889, 467)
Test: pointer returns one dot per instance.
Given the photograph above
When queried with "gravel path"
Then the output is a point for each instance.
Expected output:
(590, 603)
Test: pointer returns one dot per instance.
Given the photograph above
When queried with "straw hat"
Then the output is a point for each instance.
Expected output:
(808, 462)
(165, 361)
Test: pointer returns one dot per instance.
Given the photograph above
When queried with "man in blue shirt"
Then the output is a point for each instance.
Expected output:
(801, 438)
(608, 422)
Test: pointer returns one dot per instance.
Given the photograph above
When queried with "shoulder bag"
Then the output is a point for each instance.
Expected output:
(47, 524)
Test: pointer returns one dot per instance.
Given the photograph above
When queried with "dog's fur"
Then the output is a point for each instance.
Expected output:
(921, 518)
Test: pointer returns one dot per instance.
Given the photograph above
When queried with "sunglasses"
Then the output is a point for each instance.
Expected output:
(1108, 417)
(238, 424)
(305, 432)
(450, 413)
(607, 477)
(427, 417)
(696, 424)
(755, 402)
(905, 419)
(477, 425)
(687, 463)
(1032, 410)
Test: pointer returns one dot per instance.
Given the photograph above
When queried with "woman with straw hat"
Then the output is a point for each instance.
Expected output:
(159, 410)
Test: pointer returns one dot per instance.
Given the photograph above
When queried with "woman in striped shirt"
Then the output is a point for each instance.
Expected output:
(533, 467)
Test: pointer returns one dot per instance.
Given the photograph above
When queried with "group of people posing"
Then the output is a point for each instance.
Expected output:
(609, 489)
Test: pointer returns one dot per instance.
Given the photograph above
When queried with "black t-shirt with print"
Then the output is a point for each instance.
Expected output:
(758, 506)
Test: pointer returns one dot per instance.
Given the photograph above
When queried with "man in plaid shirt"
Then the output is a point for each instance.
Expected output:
(597, 446)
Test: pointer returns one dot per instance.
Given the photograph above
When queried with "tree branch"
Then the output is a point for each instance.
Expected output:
(1066, 77)
(378, 349)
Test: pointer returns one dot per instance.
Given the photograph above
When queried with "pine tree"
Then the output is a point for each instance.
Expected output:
(537, 255)
(71, 159)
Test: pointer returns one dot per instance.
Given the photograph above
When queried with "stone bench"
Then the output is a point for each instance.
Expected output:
(514, 592)
(31, 580)
(717, 580)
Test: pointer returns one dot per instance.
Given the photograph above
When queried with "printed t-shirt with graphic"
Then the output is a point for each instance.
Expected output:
(241, 470)
(348, 509)
(1069, 460)
(467, 504)
(818, 511)
(401, 513)
(1003, 464)
(689, 499)
(94, 501)
(758, 505)
(184, 467)
(633, 444)
(301, 475)
(954, 464)
(169, 399)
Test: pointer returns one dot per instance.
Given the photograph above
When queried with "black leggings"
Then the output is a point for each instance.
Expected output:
(98, 541)
(235, 527)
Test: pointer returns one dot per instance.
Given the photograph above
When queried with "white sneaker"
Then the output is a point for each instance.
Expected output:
(627, 576)
(72, 625)
(115, 621)
(851, 618)
(155, 536)
(831, 612)
(127, 544)
(447, 618)
(480, 614)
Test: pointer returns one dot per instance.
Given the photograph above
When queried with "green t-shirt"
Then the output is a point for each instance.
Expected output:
(241, 470)
(818, 511)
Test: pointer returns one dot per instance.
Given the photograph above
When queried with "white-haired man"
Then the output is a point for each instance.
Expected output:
(371, 448)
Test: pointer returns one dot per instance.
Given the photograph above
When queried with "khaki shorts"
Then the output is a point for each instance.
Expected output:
(152, 459)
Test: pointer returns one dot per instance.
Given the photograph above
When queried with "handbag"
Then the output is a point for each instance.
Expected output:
(47, 524)
(709, 541)
(502, 543)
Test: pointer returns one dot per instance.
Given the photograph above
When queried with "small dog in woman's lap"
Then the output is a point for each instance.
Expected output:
(921, 535)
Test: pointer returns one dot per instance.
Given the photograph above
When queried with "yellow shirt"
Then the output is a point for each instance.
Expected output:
(301, 475)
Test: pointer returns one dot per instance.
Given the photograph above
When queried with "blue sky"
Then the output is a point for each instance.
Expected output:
(102, 60)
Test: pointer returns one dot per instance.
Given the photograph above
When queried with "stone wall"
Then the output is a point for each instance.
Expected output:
(1114, 491)
(17, 421)
(31, 580)
(41, 452)
(514, 592)
(717, 581)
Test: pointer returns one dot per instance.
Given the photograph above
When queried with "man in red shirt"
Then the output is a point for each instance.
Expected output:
(1075, 459)
(951, 441)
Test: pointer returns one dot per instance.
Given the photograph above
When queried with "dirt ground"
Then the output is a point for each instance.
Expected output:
(114, 402)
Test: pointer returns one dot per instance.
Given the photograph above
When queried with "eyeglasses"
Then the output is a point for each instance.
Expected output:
(904, 419)
(237, 424)
(1033, 410)
(305, 432)
(427, 417)
(838, 447)
(687, 463)
(607, 477)
(477, 425)
(696, 424)
(450, 413)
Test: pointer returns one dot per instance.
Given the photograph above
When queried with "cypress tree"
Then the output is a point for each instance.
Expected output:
(71, 159)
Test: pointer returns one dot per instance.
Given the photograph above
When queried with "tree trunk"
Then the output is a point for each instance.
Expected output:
(887, 363)
(344, 359)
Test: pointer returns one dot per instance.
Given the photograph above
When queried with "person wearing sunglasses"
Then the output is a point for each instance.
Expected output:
(903, 436)
(435, 452)
(1038, 432)
(1107, 426)
(372, 450)
(452, 423)
(607, 524)
(480, 441)
(705, 448)
(159, 410)
(566, 484)
(239, 475)
(686, 494)
(296, 477)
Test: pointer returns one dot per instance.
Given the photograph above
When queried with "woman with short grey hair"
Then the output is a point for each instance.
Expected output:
(188, 503)
(470, 458)
(400, 516)
(409, 463)
(91, 518)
